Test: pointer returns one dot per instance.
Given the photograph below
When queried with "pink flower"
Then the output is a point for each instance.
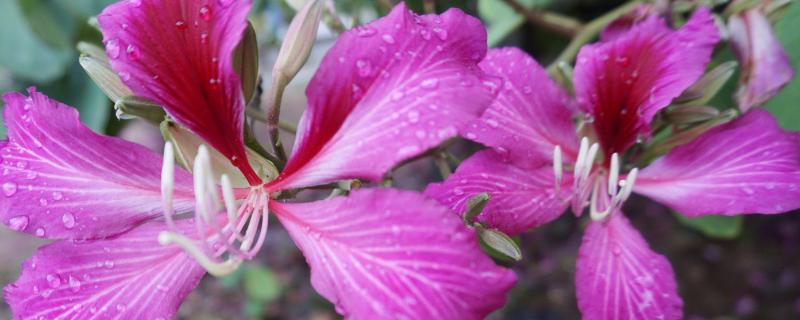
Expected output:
(745, 166)
(766, 68)
(385, 92)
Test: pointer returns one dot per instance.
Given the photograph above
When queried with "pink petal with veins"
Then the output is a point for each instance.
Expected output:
(388, 91)
(386, 253)
(766, 68)
(128, 277)
(520, 199)
(530, 115)
(624, 82)
(749, 165)
(179, 53)
(61, 180)
(619, 277)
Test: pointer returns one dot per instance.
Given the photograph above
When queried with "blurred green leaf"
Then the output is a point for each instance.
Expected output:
(261, 284)
(501, 20)
(77, 89)
(48, 21)
(784, 106)
(23, 52)
(232, 280)
(714, 226)
(83, 9)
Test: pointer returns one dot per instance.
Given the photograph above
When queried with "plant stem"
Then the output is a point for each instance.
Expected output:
(287, 126)
(279, 83)
(589, 32)
(555, 22)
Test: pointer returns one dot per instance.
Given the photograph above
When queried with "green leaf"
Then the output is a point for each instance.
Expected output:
(714, 226)
(261, 284)
(501, 20)
(784, 106)
(23, 52)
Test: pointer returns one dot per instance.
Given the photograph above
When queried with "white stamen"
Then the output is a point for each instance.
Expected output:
(168, 183)
(579, 163)
(590, 160)
(629, 182)
(227, 195)
(613, 174)
(558, 168)
(188, 245)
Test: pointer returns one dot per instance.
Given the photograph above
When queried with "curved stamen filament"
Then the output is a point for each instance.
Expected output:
(558, 168)
(617, 196)
(221, 235)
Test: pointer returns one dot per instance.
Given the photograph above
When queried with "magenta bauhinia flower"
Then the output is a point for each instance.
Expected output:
(539, 163)
(385, 92)
(766, 68)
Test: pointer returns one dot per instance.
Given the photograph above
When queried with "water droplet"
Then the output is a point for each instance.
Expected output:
(205, 13)
(441, 33)
(40, 232)
(133, 52)
(623, 61)
(204, 37)
(135, 3)
(43, 202)
(124, 76)
(18, 223)
(365, 31)
(364, 68)
(420, 134)
(74, 284)
(9, 188)
(69, 220)
(112, 48)
(213, 83)
(748, 190)
(616, 250)
(108, 264)
(388, 38)
(492, 123)
(430, 83)
(57, 195)
(413, 116)
(180, 24)
(54, 281)
(121, 307)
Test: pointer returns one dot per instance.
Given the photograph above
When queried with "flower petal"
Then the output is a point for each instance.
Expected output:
(381, 252)
(530, 115)
(622, 83)
(766, 66)
(388, 91)
(748, 165)
(619, 277)
(129, 277)
(179, 54)
(61, 180)
(520, 199)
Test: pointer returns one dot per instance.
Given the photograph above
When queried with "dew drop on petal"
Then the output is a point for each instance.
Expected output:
(180, 24)
(133, 52)
(431, 83)
(388, 38)
(121, 307)
(108, 264)
(205, 13)
(413, 116)
(124, 76)
(204, 37)
(365, 31)
(18, 223)
(40, 232)
(9, 188)
(69, 220)
(441, 33)
(54, 281)
(57, 195)
(74, 284)
(135, 3)
(112, 48)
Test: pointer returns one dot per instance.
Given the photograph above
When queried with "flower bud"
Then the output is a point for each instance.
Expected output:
(708, 85)
(94, 60)
(475, 206)
(500, 242)
(297, 44)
